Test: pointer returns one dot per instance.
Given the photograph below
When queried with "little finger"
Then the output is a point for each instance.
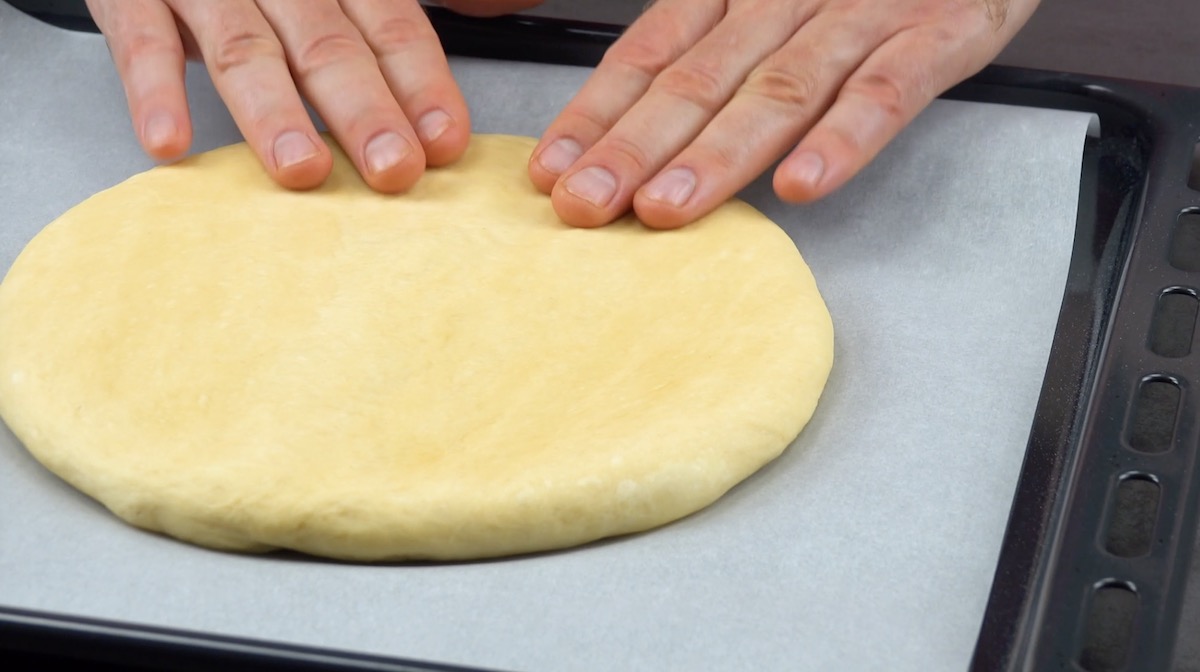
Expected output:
(147, 50)
(882, 96)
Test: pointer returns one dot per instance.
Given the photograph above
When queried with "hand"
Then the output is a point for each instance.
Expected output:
(701, 96)
(373, 69)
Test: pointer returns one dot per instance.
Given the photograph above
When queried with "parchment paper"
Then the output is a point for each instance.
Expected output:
(870, 544)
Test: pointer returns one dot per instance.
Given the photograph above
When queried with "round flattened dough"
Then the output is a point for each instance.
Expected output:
(448, 374)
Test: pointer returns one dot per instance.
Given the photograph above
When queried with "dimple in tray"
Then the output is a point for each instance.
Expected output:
(1094, 569)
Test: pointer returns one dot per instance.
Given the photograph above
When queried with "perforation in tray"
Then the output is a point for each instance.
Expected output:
(1154, 412)
(1109, 629)
(1174, 323)
(1185, 241)
(1147, 493)
(1133, 517)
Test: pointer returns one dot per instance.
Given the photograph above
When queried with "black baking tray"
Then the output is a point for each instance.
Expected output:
(1101, 540)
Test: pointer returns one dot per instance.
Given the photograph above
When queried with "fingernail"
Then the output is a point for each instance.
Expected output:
(594, 185)
(292, 148)
(160, 129)
(386, 150)
(560, 155)
(433, 124)
(808, 168)
(673, 187)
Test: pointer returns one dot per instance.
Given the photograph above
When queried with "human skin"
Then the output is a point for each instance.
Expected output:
(694, 101)
(373, 69)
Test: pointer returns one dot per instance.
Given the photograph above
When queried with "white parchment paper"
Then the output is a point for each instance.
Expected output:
(869, 545)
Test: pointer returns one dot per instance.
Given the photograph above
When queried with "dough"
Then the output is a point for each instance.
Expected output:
(448, 374)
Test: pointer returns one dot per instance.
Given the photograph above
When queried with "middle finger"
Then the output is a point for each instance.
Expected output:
(338, 74)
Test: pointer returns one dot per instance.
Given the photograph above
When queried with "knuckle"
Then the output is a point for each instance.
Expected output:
(645, 57)
(698, 84)
(323, 50)
(997, 12)
(721, 159)
(630, 153)
(141, 47)
(596, 123)
(238, 49)
(397, 34)
(886, 92)
(791, 87)
(845, 137)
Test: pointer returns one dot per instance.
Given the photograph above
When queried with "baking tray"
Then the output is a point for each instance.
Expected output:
(1093, 572)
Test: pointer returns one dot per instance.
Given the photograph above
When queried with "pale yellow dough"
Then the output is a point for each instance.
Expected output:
(448, 374)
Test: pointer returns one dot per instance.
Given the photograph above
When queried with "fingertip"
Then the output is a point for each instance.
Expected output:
(586, 197)
(164, 138)
(789, 191)
(802, 177)
(307, 175)
(542, 179)
(660, 215)
(656, 214)
(299, 161)
(574, 212)
(392, 163)
(444, 136)
(551, 159)
(669, 200)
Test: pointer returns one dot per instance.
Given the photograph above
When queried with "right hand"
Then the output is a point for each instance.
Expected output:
(373, 70)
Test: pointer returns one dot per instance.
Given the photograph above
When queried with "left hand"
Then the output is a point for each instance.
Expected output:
(701, 96)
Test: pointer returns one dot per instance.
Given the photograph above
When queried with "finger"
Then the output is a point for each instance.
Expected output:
(890, 89)
(489, 7)
(248, 69)
(876, 102)
(656, 40)
(679, 104)
(779, 101)
(415, 70)
(337, 72)
(148, 53)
